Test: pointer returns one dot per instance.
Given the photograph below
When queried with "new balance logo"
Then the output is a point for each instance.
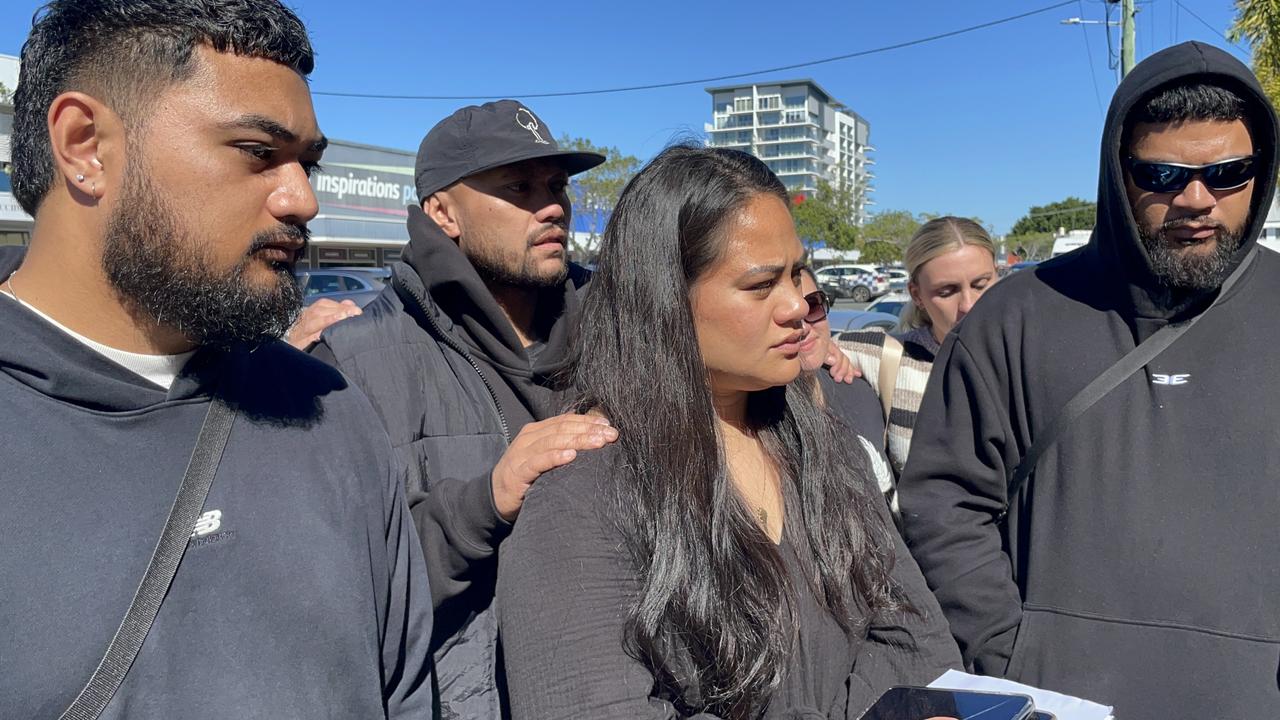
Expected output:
(207, 523)
(1179, 379)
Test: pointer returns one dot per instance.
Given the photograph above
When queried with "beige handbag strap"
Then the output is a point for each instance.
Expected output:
(890, 361)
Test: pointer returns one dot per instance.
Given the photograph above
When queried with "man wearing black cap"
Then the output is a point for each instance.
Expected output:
(459, 356)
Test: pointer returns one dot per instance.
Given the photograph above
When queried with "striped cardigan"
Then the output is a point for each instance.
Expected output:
(918, 351)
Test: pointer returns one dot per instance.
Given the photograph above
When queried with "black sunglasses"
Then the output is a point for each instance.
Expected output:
(1174, 177)
(819, 305)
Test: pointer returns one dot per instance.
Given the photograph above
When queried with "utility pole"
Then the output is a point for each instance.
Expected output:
(1126, 37)
(1127, 21)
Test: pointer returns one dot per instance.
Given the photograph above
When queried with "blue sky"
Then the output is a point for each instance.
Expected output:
(987, 123)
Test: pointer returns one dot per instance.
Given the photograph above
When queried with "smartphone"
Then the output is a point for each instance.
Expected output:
(918, 703)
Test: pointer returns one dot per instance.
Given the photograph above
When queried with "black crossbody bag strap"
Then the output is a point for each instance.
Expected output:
(1134, 360)
(168, 553)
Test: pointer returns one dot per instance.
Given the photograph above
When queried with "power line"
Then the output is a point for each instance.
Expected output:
(1214, 29)
(1080, 208)
(701, 81)
(1088, 50)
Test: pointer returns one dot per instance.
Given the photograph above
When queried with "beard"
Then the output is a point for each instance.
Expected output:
(515, 267)
(164, 271)
(1181, 269)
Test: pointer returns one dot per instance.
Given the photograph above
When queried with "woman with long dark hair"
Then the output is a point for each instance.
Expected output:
(730, 556)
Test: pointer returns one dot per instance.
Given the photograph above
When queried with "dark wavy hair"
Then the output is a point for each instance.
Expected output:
(1179, 101)
(717, 614)
(124, 52)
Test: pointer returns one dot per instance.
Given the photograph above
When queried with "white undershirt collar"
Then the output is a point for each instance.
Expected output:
(159, 369)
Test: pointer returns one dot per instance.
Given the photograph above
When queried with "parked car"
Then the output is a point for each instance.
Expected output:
(852, 281)
(873, 269)
(832, 287)
(891, 304)
(381, 274)
(847, 321)
(338, 284)
(898, 277)
(866, 286)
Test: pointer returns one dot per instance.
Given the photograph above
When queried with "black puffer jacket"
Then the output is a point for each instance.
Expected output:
(1137, 565)
(453, 385)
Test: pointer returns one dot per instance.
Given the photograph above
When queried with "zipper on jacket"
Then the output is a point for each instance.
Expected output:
(456, 347)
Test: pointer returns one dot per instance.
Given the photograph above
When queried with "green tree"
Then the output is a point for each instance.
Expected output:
(825, 219)
(1258, 21)
(596, 191)
(892, 226)
(880, 252)
(1032, 246)
(1072, 214)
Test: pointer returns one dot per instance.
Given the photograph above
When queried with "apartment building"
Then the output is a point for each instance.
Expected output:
(802, 133)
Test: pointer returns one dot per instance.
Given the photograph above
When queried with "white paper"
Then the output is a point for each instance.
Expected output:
(1064, 707)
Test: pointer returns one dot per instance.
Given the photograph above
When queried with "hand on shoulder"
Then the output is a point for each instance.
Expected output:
(540, 447)
(315, 318)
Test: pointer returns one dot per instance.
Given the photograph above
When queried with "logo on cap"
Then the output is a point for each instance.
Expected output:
(526, 120)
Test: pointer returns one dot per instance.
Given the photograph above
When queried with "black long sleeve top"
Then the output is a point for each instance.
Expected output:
(565, 583)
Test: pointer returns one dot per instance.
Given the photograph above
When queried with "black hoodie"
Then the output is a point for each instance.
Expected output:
(453, 385)
(527, 391)
(303, 596)
(1137, 566)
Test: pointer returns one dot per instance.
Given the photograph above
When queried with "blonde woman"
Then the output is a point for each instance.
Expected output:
(950, 261)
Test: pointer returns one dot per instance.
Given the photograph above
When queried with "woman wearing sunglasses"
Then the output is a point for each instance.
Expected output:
(856, 403)
(730, 556)
(951, 261)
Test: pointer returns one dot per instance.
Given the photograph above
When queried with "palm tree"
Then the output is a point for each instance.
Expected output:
(1258, 21)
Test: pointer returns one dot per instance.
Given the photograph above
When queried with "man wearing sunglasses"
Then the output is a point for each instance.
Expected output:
(1092, 489)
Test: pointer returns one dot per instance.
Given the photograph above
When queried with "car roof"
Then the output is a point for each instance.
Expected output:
(859, 268)
(350, 272)
(842, 319)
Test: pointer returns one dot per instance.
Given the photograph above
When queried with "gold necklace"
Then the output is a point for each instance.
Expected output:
(762, 496)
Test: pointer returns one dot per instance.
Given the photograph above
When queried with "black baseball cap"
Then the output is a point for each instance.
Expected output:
(481, 137)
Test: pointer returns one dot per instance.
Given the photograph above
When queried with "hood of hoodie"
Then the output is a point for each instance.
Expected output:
(463, 306)
(1116, 243)
(56, 365)
(270, 382)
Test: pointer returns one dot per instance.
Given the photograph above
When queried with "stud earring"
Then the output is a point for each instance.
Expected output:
(79, 178)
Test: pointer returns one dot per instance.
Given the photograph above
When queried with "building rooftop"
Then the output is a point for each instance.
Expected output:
(826, 96)
(377, 148)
